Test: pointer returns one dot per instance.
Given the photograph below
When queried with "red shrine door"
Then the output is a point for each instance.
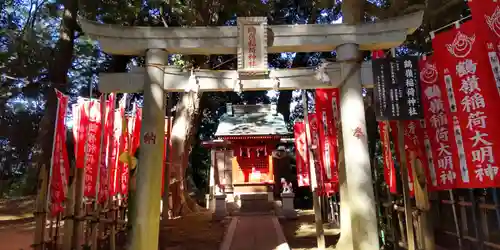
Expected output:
(253, 163)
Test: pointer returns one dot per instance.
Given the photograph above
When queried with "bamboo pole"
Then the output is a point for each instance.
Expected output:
(40, 212)
(320, 235)
(406, 191)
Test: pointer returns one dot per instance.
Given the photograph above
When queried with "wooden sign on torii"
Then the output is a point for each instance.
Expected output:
(251, 41)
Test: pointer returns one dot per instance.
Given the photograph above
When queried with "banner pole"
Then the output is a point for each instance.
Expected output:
(320, 235)
(51, 169)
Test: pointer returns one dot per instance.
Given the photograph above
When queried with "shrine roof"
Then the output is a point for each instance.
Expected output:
(253, 120)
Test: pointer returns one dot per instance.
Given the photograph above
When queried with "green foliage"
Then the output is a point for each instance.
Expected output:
(28, 36)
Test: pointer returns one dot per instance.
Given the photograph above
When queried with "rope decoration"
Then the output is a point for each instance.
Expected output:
(193, 84)
(276, 84)
(237, 86)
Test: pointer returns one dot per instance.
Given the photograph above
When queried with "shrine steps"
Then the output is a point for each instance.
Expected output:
(254, 204)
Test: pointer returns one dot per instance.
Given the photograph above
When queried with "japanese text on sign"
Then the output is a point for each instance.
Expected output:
(252, 46)
(397, 88)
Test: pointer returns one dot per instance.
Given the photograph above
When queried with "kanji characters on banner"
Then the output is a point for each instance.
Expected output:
(80, 128)
(315, 141)
(326, 102)
(59, 163)
(92, 140)
(301, 154)
(486, 19)
(388, 162)
(114, 180)
(472, 94)
(440, 144)
(106, 149)
(394, 134)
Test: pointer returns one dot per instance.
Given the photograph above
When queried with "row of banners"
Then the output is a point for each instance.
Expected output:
(445, 104)
(105, 140)
(323, 128)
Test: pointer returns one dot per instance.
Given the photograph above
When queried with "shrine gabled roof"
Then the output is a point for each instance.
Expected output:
(251, 120)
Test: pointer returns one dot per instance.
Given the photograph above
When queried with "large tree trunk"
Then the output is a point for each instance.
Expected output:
(186, 123)
(63, 57)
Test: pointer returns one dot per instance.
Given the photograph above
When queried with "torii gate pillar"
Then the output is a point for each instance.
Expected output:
(358, 220)
(147, 210)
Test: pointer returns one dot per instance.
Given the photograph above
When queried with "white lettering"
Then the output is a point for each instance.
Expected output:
(478, 137)
(476, 119)
(473, 102)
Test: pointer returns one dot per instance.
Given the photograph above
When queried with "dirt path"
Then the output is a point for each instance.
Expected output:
(16, 223)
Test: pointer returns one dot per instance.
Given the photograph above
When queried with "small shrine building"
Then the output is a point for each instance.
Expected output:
(242, 152)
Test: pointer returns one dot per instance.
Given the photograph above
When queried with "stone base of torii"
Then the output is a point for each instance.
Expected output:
(251, 41)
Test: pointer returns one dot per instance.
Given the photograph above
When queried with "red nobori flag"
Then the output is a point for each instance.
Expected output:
(315, 138)
(166, 159)
(414, 137)
(107, 147)
(440, 144)
(326, 112)
(486, 19)
(301, 154)
(389, 170)
(60, 164)
(136, 130)
(472, 95)
(80, 127)
(93, 141)
(114, 153)
(394, 133)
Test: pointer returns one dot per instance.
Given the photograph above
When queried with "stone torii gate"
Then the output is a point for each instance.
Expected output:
(251, 41)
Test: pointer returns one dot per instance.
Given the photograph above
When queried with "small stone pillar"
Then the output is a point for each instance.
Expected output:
(220, 206)
(288, 207)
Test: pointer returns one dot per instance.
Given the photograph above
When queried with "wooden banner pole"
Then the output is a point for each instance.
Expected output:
(406, 190)
(320, 235)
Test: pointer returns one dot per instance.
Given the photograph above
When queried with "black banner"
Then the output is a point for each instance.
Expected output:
(397, 88)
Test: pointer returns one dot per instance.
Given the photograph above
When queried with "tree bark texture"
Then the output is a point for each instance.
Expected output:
(57, 76)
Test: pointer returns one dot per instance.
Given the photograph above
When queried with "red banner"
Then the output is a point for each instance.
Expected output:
(166, 159)
(93, 140)
(123, 168)
(414, 138)
(106, 150)
(327, 112)
(114, 155)
(389, 170)
(486, 19)
(301, 154)
(442, 154)
(315, 138)
(472, 95)
(80, 127)
(394, 134)
(60, 165)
